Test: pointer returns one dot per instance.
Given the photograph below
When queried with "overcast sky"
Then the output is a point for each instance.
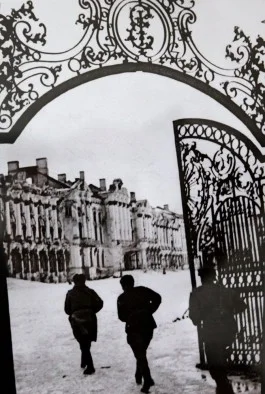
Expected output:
(121, 126)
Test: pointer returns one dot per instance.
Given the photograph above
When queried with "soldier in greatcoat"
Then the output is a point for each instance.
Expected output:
(136, 306)
(82, 304)
(213, 307)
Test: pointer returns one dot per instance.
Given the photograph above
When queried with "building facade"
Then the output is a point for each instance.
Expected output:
(55, 228)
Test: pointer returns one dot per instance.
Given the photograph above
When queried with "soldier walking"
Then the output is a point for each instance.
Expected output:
(82, 304)
(136, 306)
(214, 306)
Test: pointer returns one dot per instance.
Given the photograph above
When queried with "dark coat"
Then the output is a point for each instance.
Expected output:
(82, 304)
(136, 307)
(215, 306)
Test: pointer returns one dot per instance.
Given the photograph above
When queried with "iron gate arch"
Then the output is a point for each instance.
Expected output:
(222, 184)
(122, 36)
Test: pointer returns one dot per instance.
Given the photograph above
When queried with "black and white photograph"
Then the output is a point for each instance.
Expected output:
(132, 196)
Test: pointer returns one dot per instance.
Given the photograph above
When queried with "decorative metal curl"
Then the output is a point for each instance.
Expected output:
(117, 32)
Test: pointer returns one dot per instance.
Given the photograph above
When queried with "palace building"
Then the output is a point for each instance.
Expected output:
(55, 227)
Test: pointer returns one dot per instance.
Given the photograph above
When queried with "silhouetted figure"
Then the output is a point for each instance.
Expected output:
(214, 306)
(82, 304)
(136, 306)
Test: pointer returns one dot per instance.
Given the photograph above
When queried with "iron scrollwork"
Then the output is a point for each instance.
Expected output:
(156, 32)
(223, 202)
(229, 171)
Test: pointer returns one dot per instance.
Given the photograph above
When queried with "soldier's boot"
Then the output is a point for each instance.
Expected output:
(148, 381)
(138, 375)
(83, 362)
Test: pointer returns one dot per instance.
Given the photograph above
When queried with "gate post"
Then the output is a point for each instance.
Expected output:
(6, 354)
(185, 214)
(202, 363)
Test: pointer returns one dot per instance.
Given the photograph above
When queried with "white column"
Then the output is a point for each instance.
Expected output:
(28, 220)
(87, 257)
(128, 222)
(113, 222)
(123, 228)
(143, 226)
(148, 227)
(121, 221)
(161, 235)
(151, 229)
(175, 237)
(164, 235)
(110, 223)
(75, 260)
(47, 223)
(117, 221)
(93, 235)
(144, 260)
(123, 215)
(8, 222)
(18, 219)
(99, 225)
(139, 226)
(35, 210)
(146, 220)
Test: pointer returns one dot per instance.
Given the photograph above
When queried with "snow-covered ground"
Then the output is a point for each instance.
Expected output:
(47, 357)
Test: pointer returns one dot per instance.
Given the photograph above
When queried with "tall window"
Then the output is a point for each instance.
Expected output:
(166, 234)
(60, 258)
(80, 230)
(91, 257)
(100, 226)
(34, 261)
(102, 258)
(98, 265)
(132, 229)
(68, 209)
(60, 233)
(95, 224)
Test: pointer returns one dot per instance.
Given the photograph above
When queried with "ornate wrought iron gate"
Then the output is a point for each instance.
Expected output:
(223, 184)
